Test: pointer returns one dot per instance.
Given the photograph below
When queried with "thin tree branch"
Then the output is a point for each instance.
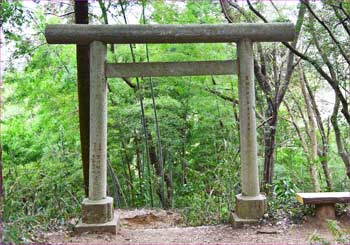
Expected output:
(330, 33)
(241, 10)
(129, 82)
(257, 13)
(222, 96)
(224, 8)
(62, 15)
(314, 63)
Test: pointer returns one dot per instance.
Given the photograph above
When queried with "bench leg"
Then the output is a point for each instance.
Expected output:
(325, 211)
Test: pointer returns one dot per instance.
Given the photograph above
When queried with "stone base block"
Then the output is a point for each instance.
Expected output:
(325, 211)
(250, 207)
(110, 227)
(97, 212)
(239, 222)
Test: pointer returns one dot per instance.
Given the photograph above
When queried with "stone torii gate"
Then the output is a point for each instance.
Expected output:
(98, 207)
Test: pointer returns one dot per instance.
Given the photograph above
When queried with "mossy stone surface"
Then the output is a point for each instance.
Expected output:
(250, 207)
(97, 212)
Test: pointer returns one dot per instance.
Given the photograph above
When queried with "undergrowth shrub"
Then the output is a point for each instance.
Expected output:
(282, 201)
(340, 235)
(206, 209)
(40, 196)
(211, 197)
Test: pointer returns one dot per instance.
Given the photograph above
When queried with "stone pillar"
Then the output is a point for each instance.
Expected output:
(98, 211)
(250, 204)
(98, 123)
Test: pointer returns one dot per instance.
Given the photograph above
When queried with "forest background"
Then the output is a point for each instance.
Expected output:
(173, 142)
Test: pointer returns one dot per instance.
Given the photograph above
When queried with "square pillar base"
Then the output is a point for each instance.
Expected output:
(97, 211)
(98, 216)
(109, 227)
(249, 209)
(237, 222)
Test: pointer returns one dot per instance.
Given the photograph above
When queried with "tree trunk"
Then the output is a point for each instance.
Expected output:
(270, 144)
(155, 163)
(165, 200)
(323, 154)
(105, 18)
(323, 149)
(301, 137)
(129, 176)
(274, 98)
(313, 136)
(341, 150)
(138, 162)
(183, 164)
(183, 148)
(169, 181)
(83, 75)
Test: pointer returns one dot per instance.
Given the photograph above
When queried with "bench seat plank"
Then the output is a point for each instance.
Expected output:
(323, 197)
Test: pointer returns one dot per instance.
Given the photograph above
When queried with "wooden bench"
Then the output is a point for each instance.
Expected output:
(324, 202)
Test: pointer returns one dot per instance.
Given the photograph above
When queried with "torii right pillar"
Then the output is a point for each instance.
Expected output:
(250, 204)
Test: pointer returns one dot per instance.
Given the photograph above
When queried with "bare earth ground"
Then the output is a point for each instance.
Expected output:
(144, 226)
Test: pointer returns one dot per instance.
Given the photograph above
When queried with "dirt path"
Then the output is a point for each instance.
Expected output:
(159, 227)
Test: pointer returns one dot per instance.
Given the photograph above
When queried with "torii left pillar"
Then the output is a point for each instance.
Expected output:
(98, 211)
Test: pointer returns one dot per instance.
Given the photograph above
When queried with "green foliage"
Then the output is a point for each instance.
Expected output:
(40, 100)
(316, 239)
(282, 201)
(209, 198)
(340, 236)
(199, 129)
(190, 12)
(40, 196)
(285, 190)
(11, 12)
(42, 172)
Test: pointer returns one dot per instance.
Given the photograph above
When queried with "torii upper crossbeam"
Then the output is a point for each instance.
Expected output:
(196, 33)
